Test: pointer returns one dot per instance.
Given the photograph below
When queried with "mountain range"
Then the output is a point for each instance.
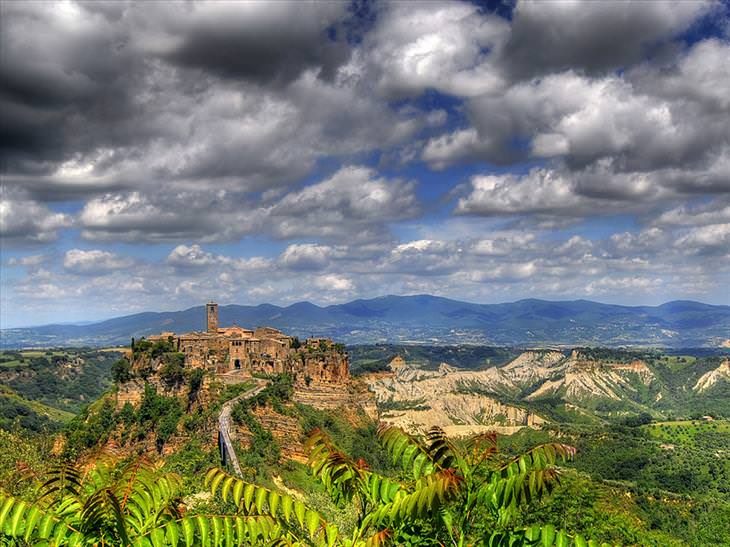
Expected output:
(424, 319)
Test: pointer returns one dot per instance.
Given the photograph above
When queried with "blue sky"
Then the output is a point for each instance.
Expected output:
(157, 155)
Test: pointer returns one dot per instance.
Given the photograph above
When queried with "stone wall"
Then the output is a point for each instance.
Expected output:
(329, 367)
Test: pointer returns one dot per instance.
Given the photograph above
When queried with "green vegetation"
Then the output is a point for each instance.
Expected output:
(21, 415)
(665, 483)
(62, 379)
(444, 493)
(647, 471)
(374, 358)
(156, 417)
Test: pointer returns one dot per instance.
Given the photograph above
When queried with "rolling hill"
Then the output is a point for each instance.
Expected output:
(424, 319)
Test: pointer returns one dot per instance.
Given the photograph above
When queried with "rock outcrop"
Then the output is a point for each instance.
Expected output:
(709, 379)
(577, 377)
(450, 398)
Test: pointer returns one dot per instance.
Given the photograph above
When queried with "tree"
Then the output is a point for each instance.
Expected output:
(121, 371)
(134, 504)
(447, 491)
(109, 505)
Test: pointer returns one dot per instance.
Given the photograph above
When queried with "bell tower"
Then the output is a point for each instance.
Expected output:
(211, 312)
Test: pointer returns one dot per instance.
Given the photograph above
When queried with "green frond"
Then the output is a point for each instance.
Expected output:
(20, 519)
(273, 507)
(440, 449)
(428, 496)
(406, 451)
(539, 457)
(62, 479)
(481, 446)
(540, 536)
(343, 477)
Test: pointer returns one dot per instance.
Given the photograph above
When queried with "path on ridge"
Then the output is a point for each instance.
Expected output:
(228, 454)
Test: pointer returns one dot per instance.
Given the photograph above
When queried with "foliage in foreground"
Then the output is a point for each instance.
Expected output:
(443, 496)
(446, 491)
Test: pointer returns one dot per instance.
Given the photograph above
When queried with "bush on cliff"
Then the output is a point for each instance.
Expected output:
(172, 371)
(121, 371)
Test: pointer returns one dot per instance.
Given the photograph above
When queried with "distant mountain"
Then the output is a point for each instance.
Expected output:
(424, 319)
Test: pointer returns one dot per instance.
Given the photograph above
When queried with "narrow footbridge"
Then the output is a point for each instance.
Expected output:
(228, 454)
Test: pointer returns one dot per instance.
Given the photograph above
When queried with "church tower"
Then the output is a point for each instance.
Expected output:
(211, 309)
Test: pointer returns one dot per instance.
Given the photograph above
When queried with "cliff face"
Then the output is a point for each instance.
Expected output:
(709, 379)
(463, 401)
(320, 378)
(285, 429)
(321, 367)
(449, 398)
(576, 378)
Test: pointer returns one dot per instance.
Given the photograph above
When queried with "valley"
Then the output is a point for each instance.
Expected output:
(650, 427)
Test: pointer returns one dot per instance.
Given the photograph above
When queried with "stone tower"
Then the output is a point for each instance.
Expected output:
(211, 311)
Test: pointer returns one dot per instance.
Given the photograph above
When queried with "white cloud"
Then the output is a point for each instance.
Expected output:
(94, 261)
(193, 255)
(446, 46)
(713, 238)
(24, 221)
(30, 260)
(631, 285)
(306, 256)
(333, 282)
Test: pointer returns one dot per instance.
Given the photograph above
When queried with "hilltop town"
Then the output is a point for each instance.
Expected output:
(203, 369)
(265, 350)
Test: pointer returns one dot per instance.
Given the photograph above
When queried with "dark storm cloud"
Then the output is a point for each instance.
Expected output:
(267, 43)
(79, 78)
(67, 82)
(594, 37)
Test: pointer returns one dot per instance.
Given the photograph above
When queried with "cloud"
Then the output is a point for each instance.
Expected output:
(630, 284)
(134, 216)
(353, 203)
(24, 222)
(506, 145)
(420, 45)
(94, 262)
(30, 260)
(190, 256)
(584, 120)
(710, 239)
(334, 282)
(170, 106)
(306, 256)
(700, 74)
(716, 211)
(259, 41)
(594, 37)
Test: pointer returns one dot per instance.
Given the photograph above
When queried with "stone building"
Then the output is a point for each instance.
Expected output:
(265, 350)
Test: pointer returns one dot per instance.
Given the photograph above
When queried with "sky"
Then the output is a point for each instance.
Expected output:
(158, 155)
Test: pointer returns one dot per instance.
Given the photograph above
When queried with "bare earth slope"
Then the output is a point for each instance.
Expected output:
(709, 379)
(509, 397)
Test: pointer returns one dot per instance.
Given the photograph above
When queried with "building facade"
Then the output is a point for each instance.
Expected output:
(265, 350)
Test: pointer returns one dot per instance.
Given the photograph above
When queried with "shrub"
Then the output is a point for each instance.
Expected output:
(173, 369)
(121, 371)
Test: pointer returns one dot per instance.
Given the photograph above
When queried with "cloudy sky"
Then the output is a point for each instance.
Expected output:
(156, 155)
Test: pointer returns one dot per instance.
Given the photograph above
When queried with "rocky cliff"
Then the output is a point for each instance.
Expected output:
(711, 378)
(449, 398)
(512, 395)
